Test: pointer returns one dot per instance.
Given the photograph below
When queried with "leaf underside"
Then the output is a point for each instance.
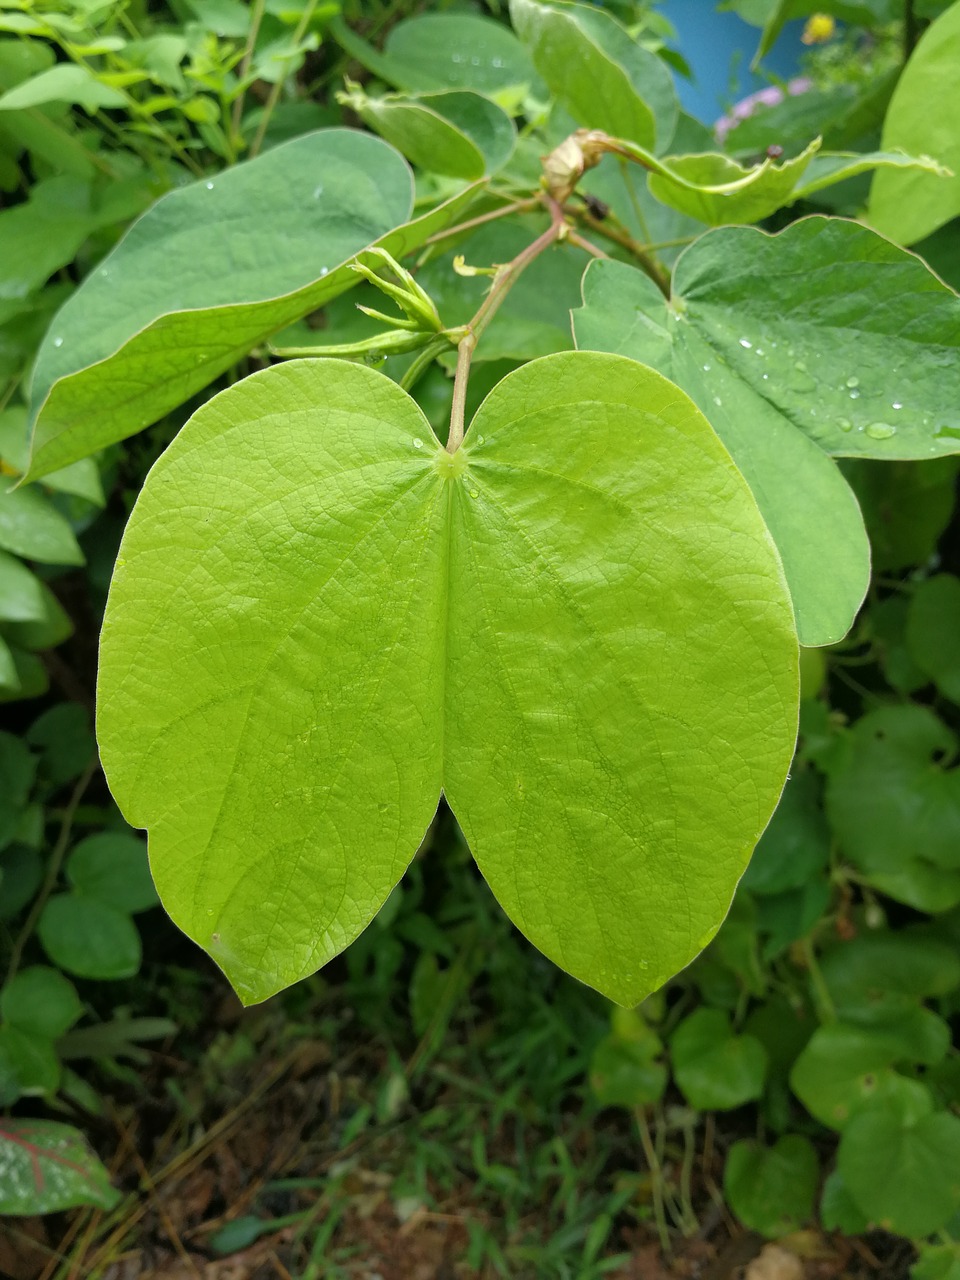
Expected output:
(576, 628)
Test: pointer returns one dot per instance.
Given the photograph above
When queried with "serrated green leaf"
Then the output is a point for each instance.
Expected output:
(388, 620)
(604, 78)
(88, 938)
(908, 205)
(46, 1166)
(901, 1169)
(716, 1070)
(933, 625)
(40, 1001)
(771, 1189)
(177, 301)
(458, 133)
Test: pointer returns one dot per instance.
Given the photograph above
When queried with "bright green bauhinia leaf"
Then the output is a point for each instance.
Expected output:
(46, 1166)
(599, 73)
(771, 1189)
(824, 339)
(901, 1168)
(933, 628)
(908, 205)
(575, 627)
(208, 273)
(458, 133)
(893, 800)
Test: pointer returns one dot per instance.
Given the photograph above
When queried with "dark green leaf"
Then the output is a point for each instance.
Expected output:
(88, 938)
(771, 1189)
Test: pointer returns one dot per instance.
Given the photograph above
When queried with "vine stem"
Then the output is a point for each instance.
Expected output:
(277, 88)
(255, 21)
(53, 866)
(656, 1179)
(503, 282)
(647, 261)
(518, 206)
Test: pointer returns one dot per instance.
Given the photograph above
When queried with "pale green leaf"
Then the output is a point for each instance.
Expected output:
(906, 204)
(830, 167)
(21, 594)
(717, 190)
(458, 133)
(31, 527)
(604, 78)
(576, 627)
(66, 82)
(178, 301)
(446, 51)
(824, 335)
(46, 1166)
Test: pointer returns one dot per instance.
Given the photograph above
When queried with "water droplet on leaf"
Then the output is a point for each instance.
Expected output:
(853, 382)
(746, 344)
(417, 442)
(881, 431)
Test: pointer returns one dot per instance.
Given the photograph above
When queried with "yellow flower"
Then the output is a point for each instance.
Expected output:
(818, 29)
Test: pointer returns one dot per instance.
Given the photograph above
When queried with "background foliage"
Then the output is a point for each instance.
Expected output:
(801, 1073)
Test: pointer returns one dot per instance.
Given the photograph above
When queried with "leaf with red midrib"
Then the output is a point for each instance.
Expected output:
(46, 1166)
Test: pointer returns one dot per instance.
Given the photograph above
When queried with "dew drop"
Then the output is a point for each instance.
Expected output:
(209, 186)
(717, 401)
(800, 366)
(707, 368)
(58, 342)
(417, 442)
(844, 424)
(897, 404)
(474, 493)
(853, 382)
(760, 351)
(457, 57)
(854, 394)
(880, 431)
(746, 344)
(475, 61)
(318, 192)
(479, 439)
(323, 271)
(766, 377)
(498, 63)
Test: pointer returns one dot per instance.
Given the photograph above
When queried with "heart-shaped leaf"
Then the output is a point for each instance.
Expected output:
(824, 339)
(179, 300)
(575, 627)
(771, 1189)
(714, 1069)
(46, 1166)
(902, 1169)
